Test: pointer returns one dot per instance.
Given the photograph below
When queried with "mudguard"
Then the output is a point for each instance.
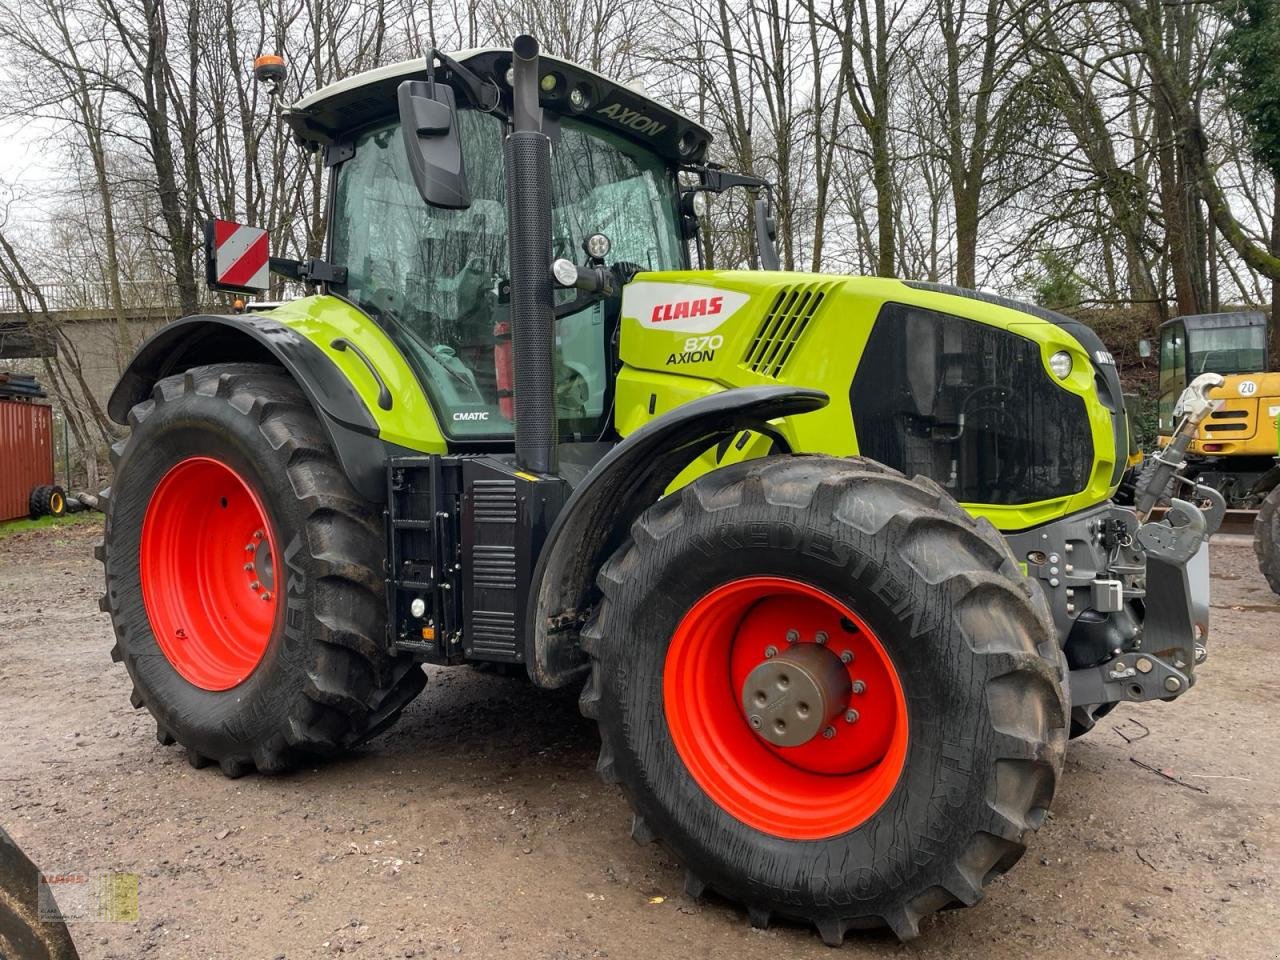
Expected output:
(199, 340)
(598, 516)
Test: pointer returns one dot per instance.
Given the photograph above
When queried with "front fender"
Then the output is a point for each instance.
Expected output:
(207, 339)
(598, 516)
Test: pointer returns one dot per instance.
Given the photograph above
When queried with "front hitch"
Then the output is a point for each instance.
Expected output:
(1161, 664)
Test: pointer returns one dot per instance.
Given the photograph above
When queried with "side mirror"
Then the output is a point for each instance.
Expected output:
(237, 258)
(766, 234)
(429, 126)
(1144, 349)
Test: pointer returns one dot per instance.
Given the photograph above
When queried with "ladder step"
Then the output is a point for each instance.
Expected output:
(412, 524)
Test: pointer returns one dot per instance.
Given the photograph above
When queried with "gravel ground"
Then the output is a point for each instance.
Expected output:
(476, 826)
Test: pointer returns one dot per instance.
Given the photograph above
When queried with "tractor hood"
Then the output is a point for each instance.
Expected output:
(956, 385)
(324, 117)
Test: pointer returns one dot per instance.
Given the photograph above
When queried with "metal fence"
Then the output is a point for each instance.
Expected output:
(83, 295)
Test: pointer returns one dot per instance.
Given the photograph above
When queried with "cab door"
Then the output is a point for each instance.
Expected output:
(1173, 373)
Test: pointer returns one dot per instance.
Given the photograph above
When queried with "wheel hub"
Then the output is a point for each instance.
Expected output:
(794, 696)
(843, 741)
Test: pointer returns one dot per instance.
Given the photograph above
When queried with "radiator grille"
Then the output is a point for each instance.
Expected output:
(789, 316)
(493, 633)
(495, 501)
(494, 566)
(1233, 420)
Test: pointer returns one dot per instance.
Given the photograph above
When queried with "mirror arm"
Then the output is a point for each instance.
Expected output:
(483, 93)
(715, 179)
(313, 270)
(285, 267)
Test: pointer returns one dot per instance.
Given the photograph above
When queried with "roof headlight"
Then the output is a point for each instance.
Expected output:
(1060, 363)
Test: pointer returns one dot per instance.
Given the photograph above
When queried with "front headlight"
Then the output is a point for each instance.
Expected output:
(1060, 364)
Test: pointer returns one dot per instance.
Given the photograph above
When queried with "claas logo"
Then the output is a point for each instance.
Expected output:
(704, 307)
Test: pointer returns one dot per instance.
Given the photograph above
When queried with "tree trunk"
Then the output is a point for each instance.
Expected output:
(1275, 281)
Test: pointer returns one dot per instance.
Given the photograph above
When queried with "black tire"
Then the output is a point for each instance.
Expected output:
(982, 676)
(324, 684)
(1266, 539)
(47, 500)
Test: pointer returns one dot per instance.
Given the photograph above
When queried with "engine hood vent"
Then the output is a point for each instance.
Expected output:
(792, 309)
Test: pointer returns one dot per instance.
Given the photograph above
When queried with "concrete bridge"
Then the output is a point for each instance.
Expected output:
(83, 312)
(90, 301)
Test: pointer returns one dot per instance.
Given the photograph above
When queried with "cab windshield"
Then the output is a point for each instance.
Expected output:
(1228, 350)
(437, 279)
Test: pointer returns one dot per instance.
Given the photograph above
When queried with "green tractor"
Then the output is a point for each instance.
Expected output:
(834, 560)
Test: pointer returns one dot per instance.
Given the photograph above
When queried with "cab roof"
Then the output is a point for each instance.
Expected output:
(1217, 321)
(326, 116)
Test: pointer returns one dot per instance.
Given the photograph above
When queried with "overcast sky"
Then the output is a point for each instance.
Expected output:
(23, 166)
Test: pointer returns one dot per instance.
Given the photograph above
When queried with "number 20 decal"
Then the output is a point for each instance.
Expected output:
(714, 342)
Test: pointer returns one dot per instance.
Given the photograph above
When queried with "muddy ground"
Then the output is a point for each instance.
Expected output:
(476, 827)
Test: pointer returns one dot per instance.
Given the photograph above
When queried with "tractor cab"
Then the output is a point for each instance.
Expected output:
(1235, 447)
(1223, 343)
(436, 274)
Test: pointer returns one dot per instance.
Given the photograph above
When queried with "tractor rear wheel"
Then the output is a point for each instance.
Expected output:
(828, 690)
(244, 576)
(1266, 538)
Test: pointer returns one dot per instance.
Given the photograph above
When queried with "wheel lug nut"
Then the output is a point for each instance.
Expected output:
(257, 534)
(249, 567)
(266, 595)
(821, 637)
(255, 585)
(859, 687)
(851, 716)
(756, 721)
(770, 651)
(251, 547)
(828, 733)
(846, 656)
(793, 636)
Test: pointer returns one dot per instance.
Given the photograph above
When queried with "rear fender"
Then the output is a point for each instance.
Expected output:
(598, 516)
(201, 340)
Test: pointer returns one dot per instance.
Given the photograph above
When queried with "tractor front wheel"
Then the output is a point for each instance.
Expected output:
(828, 690)
(244, 576)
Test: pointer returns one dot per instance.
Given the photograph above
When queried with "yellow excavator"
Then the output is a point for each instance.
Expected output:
(1234, 449)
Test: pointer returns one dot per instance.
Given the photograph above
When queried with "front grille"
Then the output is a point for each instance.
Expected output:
(793, 308)
(970, 406)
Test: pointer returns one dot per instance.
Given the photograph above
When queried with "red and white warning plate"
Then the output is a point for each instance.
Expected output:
(241, 256)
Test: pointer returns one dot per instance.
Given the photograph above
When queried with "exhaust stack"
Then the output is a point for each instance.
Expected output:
(526, 155)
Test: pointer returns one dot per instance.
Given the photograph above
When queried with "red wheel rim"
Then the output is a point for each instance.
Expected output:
(207, 566)
(824, 787)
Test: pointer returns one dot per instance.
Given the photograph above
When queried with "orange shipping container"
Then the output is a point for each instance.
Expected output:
(26, 453)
